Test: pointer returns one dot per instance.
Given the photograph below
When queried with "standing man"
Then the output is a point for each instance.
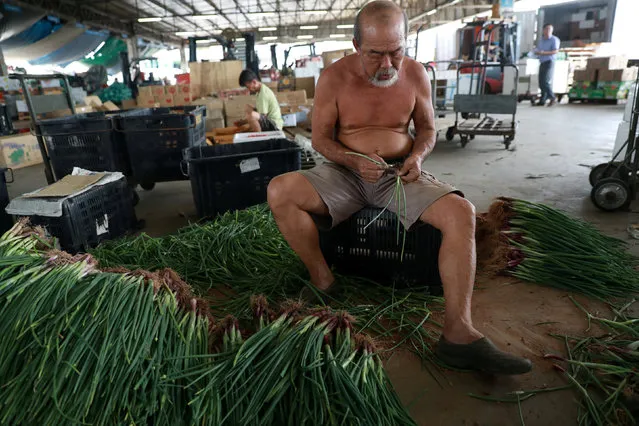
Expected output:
(547, 49)
(364, 104)
(266, 117)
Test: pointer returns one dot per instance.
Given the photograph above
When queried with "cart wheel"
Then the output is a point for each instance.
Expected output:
(559, 98)
(508, 140)
(147, 186)
(571, 100)
(472, 137)
(136, 198)
(599, 172)
(610, 194)
(532, 101)
(450, 134)
(464, 140)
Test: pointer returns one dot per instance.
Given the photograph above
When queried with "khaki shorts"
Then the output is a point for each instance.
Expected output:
(344, 192)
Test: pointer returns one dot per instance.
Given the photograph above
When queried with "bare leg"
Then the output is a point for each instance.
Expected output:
(254, 124)
(291, 198)
(455, 218)
(462, 346)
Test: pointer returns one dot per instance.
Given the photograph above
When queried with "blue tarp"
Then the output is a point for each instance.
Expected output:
(76, 49)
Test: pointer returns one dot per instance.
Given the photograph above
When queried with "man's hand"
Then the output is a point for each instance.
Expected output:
(368, 170)
(411, 169)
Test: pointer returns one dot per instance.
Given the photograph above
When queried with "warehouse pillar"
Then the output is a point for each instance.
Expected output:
(184, 65)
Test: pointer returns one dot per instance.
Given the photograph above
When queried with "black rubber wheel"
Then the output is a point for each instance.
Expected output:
(559, 98)
(450, 134)
(610, 194)
(607, 170)
(508, 140)
(136, 198)
(464, 141)
(147, 186)
(472, 137)
(571, 100)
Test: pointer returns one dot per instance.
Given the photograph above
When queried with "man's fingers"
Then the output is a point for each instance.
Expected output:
(412, 176)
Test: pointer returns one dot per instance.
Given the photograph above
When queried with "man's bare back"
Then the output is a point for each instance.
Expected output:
(373, 119)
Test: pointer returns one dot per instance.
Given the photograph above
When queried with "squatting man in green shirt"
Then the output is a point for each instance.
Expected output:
(266, 115)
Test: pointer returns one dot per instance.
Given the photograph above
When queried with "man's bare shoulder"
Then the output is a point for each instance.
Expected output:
(337, 70)
(415, 71)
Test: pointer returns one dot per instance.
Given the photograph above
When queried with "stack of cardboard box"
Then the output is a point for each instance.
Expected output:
(214, 112)
(163, 96)
(333, 56)
(208, 78)
(604, 78)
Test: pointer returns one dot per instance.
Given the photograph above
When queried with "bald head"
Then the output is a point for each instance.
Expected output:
(379, 13)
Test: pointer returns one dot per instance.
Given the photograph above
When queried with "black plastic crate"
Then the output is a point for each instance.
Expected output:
(6, 222)
(102, 213)
(84, 140)
(374, 252)
(235, 176)
(156, 137)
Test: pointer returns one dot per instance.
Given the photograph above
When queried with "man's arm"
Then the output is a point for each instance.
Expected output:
(423, 116)
(424, 120)
(325, 117)
(325, 120)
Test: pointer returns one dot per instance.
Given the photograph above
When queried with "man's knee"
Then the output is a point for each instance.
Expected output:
(279, 190)
(451, 213)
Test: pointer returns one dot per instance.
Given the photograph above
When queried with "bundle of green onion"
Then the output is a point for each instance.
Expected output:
(604, 371)
(87, 347)
(84, 346)
(243, 253)
(549, 247)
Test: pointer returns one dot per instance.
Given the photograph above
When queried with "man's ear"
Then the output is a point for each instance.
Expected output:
(356, 46)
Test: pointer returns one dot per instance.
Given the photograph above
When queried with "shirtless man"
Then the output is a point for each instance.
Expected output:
(364, 103)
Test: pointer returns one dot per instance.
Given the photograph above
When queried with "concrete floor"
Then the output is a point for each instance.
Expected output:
(548, 162)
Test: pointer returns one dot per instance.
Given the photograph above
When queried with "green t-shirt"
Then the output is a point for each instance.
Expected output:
(266, 103)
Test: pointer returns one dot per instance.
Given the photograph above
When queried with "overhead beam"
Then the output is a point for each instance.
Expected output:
(93, 17)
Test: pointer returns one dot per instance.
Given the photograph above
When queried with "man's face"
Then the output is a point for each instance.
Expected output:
(253, 86)
(382, 51)
(548, 31)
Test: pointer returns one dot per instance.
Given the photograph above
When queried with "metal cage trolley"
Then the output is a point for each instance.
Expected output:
(472, 110)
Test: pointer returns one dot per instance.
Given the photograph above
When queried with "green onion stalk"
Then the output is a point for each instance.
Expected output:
(548, 247)
(243, 253)
(399, 196)
(603, 371)
(89, 346)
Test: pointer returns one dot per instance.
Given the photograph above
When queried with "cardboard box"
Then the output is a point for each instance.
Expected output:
(626, 74)
(297, 97)
(236, 107)
(158, 91)
(166, 100)
(334, 56)
(182, 99)
(214, 123)
(145, 102)
(84, 109)
(145, 92)
(583, 75)
(231, 120)
(257, 136)
(109, 106)
(231, 93)
(129, 104)
(93, 101)
(19, 151)
(208, 78)
(171, 90)
(184, 88)
(307, 84)
(271, 85)
(608, 62)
